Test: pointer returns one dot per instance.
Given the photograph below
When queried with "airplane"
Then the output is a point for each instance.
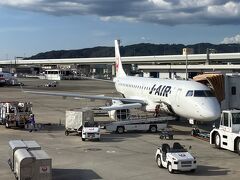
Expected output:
(182, 98)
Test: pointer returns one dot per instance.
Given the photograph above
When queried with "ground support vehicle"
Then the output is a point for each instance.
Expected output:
(51, 84)
(15, 114)
(75, 120)
(200, 134)
(166, 134)
(152, 124)
(91, 130)
(227, 136)
(176, 158)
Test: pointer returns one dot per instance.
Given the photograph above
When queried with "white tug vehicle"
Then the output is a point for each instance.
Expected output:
(176, 158)
(227, 136)
(91, 130)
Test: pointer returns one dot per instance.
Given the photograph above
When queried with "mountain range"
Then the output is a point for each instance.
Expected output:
(143, 49)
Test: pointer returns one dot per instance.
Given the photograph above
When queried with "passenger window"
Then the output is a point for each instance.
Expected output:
(189, 93)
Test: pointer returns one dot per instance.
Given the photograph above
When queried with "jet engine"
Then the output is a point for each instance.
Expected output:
(159, 107)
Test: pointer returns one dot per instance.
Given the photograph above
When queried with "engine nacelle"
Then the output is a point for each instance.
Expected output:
(159, 107)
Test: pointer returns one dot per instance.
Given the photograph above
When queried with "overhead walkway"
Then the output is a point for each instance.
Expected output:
(197, 58)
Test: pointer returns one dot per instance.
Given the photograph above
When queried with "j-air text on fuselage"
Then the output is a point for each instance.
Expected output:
(184, 98)
(160, 90)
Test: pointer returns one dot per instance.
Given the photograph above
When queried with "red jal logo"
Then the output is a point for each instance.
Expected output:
(44, 169)
(117, 63)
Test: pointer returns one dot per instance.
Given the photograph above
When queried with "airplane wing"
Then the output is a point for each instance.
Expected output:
(97, 97)
(121, 106)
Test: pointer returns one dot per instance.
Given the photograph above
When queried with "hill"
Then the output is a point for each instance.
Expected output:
(143, 49)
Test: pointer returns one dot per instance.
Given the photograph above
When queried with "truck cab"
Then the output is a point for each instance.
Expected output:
(227, 136)
(91, 130)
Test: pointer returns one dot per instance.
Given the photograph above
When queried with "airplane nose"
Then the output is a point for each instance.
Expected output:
(212, 113)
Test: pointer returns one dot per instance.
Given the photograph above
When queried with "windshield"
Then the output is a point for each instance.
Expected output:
(177, 150)
(236, 118)
(189, 93)
(203, 93)
(91, 124)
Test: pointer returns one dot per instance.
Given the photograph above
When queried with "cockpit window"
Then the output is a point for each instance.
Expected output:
(209, 93)
(202, 93)
(189, 93)
(199, 93)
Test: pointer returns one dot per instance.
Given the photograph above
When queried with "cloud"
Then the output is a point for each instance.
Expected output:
(232, 40)
(168, 12)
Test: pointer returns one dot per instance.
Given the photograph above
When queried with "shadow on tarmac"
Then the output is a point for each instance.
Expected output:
(74, 174)
(209, 171)
(113, 137)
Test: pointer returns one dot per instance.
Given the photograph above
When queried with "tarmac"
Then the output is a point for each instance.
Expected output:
(117, 156)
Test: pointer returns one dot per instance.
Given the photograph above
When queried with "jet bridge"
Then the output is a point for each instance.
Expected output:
(215, 82)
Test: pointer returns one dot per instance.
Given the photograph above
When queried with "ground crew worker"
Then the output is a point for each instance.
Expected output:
(32, 122)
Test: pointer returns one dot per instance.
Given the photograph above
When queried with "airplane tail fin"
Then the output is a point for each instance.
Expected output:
(118, 62)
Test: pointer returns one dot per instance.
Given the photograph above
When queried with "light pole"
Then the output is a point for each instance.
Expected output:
(186, 64)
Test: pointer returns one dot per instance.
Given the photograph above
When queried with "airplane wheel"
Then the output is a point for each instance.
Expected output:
(238, 146)
(159, 161)
(66, 133)
(120, 130)
(153, 129)
(217, 141)
(83, 139)
(170, 168)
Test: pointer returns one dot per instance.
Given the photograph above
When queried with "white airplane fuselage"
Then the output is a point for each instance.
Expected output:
(171, 95)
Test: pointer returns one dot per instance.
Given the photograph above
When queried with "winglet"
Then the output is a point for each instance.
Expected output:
(118, 62)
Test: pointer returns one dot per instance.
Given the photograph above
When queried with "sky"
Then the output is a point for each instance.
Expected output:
(28, 27)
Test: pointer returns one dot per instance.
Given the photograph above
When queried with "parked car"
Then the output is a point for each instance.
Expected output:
(176, 158)
(51, 84)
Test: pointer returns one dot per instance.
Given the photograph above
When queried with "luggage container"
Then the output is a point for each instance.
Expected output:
(32, 145)
(13, 146)
(19, 144)
(24, 162)
(76, 118)
(42, 169)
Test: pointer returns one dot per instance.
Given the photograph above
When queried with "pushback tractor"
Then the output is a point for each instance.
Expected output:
(227, 136)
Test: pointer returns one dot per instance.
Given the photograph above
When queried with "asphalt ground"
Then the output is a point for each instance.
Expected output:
(116, 156)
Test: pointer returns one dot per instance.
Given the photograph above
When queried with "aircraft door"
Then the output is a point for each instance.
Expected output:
(178, 98)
